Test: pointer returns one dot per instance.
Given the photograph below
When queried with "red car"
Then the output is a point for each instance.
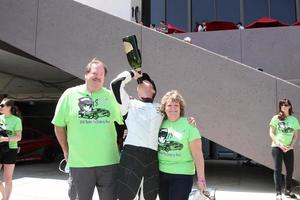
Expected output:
(37, 145)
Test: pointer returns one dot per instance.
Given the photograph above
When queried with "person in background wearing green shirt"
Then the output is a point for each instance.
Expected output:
(284, 133)
(84, 126)
(11, 127)
(179, 150)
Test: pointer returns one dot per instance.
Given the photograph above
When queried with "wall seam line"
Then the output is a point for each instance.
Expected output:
(36, 26)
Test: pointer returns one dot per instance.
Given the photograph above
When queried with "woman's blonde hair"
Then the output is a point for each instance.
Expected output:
(172, 96)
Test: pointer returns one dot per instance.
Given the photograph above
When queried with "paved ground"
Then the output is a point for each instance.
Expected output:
(232, 180)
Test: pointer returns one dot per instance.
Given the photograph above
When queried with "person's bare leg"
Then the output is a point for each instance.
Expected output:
(8, 171)
(1, 185)
(2, 189)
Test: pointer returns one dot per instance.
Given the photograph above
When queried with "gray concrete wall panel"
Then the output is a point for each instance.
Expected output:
(18, 23)
(276, 50)
(70, 34)
(227, 43)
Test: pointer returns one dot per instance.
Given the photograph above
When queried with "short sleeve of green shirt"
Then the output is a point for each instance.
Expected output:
(18, 124)
(17, 127)
(274, 121)
(297, 125)
(194, 133)
(59, 118)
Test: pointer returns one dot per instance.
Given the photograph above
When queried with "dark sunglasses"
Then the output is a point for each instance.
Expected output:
(286, 105)
(2, 105)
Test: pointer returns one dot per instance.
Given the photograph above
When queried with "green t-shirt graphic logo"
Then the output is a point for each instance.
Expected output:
(164, 142)
(284, 127)
(87, 110)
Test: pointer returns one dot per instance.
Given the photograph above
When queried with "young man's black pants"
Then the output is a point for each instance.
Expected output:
(138, 163)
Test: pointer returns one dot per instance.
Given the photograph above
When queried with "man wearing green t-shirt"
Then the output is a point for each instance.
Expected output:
(84, 126)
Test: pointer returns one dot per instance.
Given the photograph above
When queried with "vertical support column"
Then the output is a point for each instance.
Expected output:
(166, 4)
(146, 12)
(298, 10)
(242, 19)
(269, 8)
(189, 15)
(215, 10)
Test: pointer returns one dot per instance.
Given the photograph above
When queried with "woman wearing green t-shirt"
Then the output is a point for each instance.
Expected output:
(11, 126)
(284, 132)
(179, 150)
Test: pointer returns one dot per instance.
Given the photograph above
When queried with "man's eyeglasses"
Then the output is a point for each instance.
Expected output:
(2, 105)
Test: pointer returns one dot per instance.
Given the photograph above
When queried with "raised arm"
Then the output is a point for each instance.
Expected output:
(118, 88)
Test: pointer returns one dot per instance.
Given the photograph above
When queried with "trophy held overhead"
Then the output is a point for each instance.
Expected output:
(133, 53)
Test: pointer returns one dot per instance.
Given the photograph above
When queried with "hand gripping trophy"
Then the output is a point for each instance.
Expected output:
(133, 53)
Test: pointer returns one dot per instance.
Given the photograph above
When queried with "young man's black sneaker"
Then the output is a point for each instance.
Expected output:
(290, 194)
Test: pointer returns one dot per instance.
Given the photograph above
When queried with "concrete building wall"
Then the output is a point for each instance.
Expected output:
(71, 34)
(18, 23)
(233, 103)
(275, 49)
(226, 43)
